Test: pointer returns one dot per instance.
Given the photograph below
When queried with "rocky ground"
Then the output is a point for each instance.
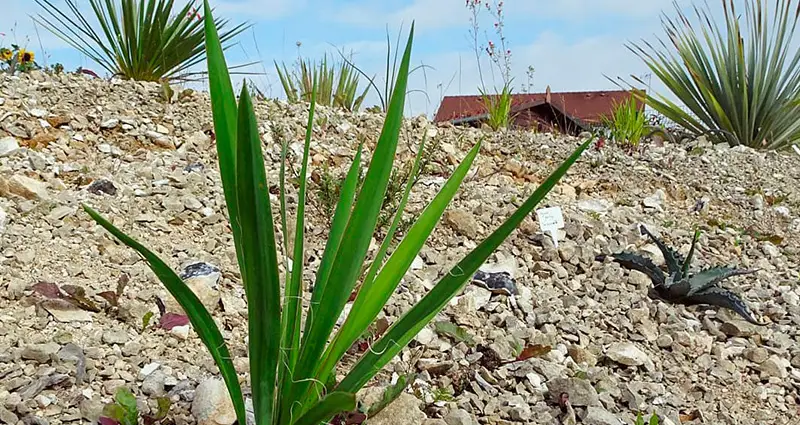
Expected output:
(150, 166)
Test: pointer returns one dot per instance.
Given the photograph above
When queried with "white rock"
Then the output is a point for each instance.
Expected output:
(770, 250)
(656, 200)
(110, 123)
(38, 113)
(783, 211)
(418, 263)
(627, 353)
(426, 336)
(3, 221)
(344, 127)
(148, 369)
(8, 145)
(212, 405)
(67, 315)
(599, 206)
(180, 332)
(505, 263)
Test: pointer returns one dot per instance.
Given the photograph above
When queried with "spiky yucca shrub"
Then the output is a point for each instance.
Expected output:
(147, 40)
(627, 123)
(337, 85)
(740, 83)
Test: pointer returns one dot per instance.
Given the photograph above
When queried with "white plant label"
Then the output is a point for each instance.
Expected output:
(550, 220)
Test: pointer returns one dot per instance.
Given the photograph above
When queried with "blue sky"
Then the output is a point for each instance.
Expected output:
(572, 44)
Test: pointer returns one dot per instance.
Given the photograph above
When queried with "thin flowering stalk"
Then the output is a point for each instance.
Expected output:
(498, 105)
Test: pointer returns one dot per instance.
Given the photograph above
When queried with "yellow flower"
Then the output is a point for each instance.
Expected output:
(25, 56)
(5, 54)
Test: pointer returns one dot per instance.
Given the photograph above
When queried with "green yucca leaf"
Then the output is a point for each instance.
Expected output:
(292, 313)
(259, 267)
(326, 408)
(377, 262)
(407, 327)
(199, 317)
(346, 266)
(146, 40)
(375, 293)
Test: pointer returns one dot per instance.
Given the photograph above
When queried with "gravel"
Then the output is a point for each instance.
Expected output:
(150, 167)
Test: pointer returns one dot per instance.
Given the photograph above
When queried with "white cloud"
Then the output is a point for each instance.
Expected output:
(427, 14)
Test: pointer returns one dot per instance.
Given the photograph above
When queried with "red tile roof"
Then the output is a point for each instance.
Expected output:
(585, 106)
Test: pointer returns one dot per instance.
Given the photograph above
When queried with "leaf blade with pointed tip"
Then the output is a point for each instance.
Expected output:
(259, 267)
(333, 403)
(402, 331)
(200, 318)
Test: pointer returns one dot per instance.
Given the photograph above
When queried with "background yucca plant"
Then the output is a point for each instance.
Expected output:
(337, 85)
(627, 123)
(498, 107)
(740, 84)
(293, 364)
(148, 40)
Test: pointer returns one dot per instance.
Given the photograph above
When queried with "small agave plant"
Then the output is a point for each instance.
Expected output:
(680, 286)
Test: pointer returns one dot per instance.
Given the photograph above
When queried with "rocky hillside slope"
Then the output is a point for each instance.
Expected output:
(150, 166)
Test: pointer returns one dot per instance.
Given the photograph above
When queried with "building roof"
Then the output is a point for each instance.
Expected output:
(587, 106)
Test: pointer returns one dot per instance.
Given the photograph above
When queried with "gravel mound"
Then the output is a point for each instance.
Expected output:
(149, 165)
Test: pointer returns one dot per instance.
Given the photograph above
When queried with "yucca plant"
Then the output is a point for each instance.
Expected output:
(739, 83)
(293, 363)
(147, 40)
(627, 123)
(336, 85)
(498, 107)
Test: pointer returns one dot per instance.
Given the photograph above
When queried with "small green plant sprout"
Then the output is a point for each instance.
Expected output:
(628, 123)
(678, 285)
(653, 419)
(295, 347)
(124, 410)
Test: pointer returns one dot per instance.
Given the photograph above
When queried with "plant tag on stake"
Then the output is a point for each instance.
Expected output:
(550, 220)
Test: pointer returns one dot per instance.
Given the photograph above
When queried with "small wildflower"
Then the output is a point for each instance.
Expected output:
(5, 54)
(25, 56)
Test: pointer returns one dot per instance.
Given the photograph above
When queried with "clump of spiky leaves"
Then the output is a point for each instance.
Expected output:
(627, 123)
(498, 107)
(678, 285)
(741, 84)
(337, 85)
(148, 40)
(293, 365)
